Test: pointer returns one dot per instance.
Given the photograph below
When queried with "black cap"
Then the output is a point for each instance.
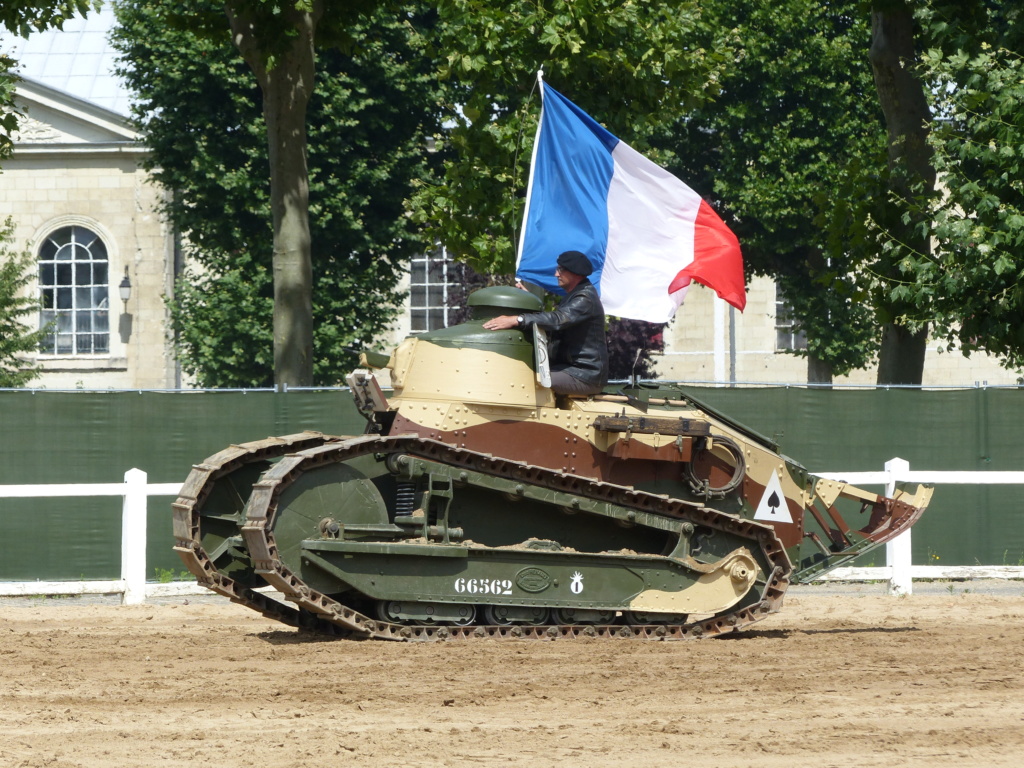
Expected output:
(575, 262)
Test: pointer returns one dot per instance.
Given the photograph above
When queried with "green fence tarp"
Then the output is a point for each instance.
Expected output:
(87, 437)
(859, 430)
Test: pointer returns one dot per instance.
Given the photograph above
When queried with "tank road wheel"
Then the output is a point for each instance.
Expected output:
(506, 615)
(425, 614)
(389, 611)
(459, 615)
(581, 616)
(638, 618)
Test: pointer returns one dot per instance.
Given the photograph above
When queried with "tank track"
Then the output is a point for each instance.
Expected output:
(187, 534)
(318, 612)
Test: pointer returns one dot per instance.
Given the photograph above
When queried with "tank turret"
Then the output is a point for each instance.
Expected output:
(467, 363)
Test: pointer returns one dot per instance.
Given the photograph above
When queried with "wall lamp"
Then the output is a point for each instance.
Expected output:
(125, 289)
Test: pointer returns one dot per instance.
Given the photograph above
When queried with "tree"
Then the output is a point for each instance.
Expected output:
(789, 153)
(971, 282)
(200, 113)
(633, 66)
(277, 41)
(8, 113)
(16, 339)
(901, 94)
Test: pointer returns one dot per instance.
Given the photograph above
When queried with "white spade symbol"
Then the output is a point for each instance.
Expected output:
(773, 507)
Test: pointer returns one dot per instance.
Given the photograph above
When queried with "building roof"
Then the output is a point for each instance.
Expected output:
(77, 60)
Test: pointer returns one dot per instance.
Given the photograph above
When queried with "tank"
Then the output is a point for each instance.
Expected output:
(479, 504)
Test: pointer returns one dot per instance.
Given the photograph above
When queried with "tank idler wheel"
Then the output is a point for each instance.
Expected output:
(505, 615)
(636, 618)
(581, 616)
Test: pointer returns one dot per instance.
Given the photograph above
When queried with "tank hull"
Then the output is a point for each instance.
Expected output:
(480, 504)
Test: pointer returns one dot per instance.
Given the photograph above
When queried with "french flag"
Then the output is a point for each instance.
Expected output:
(647, 234)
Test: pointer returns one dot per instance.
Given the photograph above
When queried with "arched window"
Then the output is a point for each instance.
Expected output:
(73, 282)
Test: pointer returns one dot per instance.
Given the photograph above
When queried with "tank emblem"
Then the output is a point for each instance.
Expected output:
(576, 585)
(772, 507)
(533, 580)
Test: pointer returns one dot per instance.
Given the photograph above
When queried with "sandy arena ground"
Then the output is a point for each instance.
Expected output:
(834, 680)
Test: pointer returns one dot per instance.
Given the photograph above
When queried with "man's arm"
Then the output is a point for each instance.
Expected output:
(505, 322)
(573, 311)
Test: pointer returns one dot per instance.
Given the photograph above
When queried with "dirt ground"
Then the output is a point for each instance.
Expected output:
(833, 680)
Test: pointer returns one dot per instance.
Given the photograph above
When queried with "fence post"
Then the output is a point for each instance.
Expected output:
(897, 552)
(133, 538)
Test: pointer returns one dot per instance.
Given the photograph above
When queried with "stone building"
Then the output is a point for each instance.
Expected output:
(708, 341)
(83, 206)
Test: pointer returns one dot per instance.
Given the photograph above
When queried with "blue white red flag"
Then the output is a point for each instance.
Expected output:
(646, 233)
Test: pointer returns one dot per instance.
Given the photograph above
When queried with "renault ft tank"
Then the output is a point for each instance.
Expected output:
(480, 504)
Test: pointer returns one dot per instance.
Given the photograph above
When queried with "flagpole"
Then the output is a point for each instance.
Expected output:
(533, 163)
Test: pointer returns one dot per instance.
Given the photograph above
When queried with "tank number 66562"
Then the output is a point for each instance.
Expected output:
(483, 586)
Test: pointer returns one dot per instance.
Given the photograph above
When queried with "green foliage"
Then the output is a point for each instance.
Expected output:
(200, 110)
(17, 272)
(974, 283)
(168, 575)
(968, 283)
(634, 66)
(791, 152)
(26, 16)
(8, 112)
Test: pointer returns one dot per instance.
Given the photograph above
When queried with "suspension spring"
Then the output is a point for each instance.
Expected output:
(405, 498)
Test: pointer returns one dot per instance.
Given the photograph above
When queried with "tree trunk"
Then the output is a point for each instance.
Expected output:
(905, 362)
(818, 371)
(284, 108)
(287, 87)
(902, 98)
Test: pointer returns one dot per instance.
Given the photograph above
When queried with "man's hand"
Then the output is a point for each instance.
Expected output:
(502, 323)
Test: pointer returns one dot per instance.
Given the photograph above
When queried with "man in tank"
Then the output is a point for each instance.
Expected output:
(578, 350)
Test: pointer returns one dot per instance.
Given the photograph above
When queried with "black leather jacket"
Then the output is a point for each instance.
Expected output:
(577, 324)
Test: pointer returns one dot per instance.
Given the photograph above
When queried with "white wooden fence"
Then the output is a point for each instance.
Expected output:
(899, 571)
(132, 586)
